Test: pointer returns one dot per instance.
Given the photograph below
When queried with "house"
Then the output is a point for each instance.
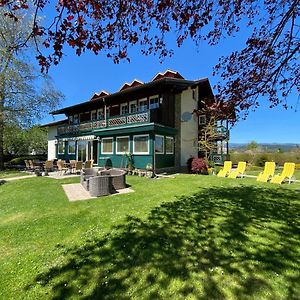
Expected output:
(154, 122)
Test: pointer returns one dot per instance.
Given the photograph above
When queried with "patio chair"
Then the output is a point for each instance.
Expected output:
(27, 165)
(78, 166)
(88, 164)
(267, 173)
(226, 169)
(239, 171)
(61, 167)
(48, 165)
(73, 165)
(286, 174)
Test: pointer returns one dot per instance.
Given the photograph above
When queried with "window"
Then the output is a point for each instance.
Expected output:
(122, 144)
(61, 148)
(159, 144)
(202, 120)
(169, 145)
(81, 150)
(71, 119)
(93, 115)
(107, 146)
(76, 119)
(143, 105)
(71, 147)
(141, 144)
(100, 114)
(154, 102)
(133, 106)
(124, 109)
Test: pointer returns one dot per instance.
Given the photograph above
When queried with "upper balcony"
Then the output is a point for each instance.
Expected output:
(125, 120)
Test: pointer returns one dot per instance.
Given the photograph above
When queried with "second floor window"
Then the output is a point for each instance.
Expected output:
(143, 105)
(94, 115)
(124, 109)
(75, 119)
(154, 102)
(132, 107)
(100, 114)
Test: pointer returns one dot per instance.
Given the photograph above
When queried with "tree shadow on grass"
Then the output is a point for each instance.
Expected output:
(236, 243)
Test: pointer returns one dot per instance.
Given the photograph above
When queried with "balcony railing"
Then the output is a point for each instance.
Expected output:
(123, 120)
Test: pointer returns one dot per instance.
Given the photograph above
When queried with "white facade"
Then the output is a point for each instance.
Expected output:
(52, 133)
(189, 125)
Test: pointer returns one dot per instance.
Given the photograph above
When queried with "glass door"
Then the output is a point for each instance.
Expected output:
(95, 152)
(81, 150)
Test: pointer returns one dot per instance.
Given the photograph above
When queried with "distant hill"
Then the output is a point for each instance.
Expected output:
(272, 147)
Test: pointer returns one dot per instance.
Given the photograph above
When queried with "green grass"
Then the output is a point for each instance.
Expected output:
(12, 173)
(192, 237)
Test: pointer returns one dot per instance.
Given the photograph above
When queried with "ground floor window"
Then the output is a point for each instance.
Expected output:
(122, 144)
(71, 147)
(169, 145)
(61, 147)
(159, 144)
(141, 144)
(107, 146)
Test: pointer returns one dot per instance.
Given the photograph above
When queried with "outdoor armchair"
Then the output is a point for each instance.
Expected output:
(226, 169)
(267, 173)
(240, 170)
(286, 174)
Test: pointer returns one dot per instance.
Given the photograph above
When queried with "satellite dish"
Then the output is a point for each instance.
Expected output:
(186, 116)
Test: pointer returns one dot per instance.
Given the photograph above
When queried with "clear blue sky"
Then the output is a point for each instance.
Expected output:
(79, 77)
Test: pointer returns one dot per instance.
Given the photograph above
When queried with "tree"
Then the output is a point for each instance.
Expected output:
(25, 93)
(268, 65)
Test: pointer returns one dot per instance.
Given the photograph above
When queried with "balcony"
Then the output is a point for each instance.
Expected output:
(90, 126)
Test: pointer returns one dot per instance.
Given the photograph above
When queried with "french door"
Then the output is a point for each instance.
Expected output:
(87, 150)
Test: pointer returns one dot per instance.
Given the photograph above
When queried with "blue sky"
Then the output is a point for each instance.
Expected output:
(79, 77)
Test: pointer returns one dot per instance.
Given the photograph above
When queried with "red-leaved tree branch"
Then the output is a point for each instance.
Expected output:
(267, 66)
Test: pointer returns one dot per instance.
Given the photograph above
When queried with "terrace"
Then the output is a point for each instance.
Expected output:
(125, 120)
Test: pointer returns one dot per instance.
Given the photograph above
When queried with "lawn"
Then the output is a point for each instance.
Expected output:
(192, 237)
(8, 173)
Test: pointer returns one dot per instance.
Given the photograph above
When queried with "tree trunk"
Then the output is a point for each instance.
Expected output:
(1, 132)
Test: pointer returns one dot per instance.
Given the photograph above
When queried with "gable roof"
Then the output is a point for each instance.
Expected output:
(101, 94)
(168, 74)
(127, 85)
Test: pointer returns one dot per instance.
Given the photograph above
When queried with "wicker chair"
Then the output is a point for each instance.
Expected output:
(86, 175)
(118, 178)
(100, 186)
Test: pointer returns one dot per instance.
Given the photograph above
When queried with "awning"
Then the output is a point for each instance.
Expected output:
(79, 138)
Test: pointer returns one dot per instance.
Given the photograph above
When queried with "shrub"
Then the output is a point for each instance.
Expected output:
(261, 160)
(199, 166)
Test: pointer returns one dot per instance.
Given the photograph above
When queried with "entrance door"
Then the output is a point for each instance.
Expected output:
(95, 151)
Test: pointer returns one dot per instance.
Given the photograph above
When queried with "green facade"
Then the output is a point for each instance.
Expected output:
(120, 160)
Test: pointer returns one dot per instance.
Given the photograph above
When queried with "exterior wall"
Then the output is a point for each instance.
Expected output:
(188, 128)
(52, 132)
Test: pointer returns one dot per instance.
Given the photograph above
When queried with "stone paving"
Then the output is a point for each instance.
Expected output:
(76, 192)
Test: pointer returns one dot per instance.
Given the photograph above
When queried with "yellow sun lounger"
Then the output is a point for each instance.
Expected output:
(240, 170)
(226, 169)
(267, 173)
(286, 174)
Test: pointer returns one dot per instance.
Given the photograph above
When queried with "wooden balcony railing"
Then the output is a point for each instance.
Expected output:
(123, 120)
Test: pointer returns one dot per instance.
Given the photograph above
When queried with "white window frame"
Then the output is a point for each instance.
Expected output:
(170, 138)
(163, 144)
(143, 100)
(121, 137)
(100, 114)
(151, 98)
(95, 112)
(74, 147)
(112, 142)
(124, 105)
(64, 147)
(133, 141)
(136, 106)
(201, 118)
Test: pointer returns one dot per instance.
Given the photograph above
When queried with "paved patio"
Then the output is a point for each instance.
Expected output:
(76, 192)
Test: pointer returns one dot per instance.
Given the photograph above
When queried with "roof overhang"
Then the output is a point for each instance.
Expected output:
(137, 92)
